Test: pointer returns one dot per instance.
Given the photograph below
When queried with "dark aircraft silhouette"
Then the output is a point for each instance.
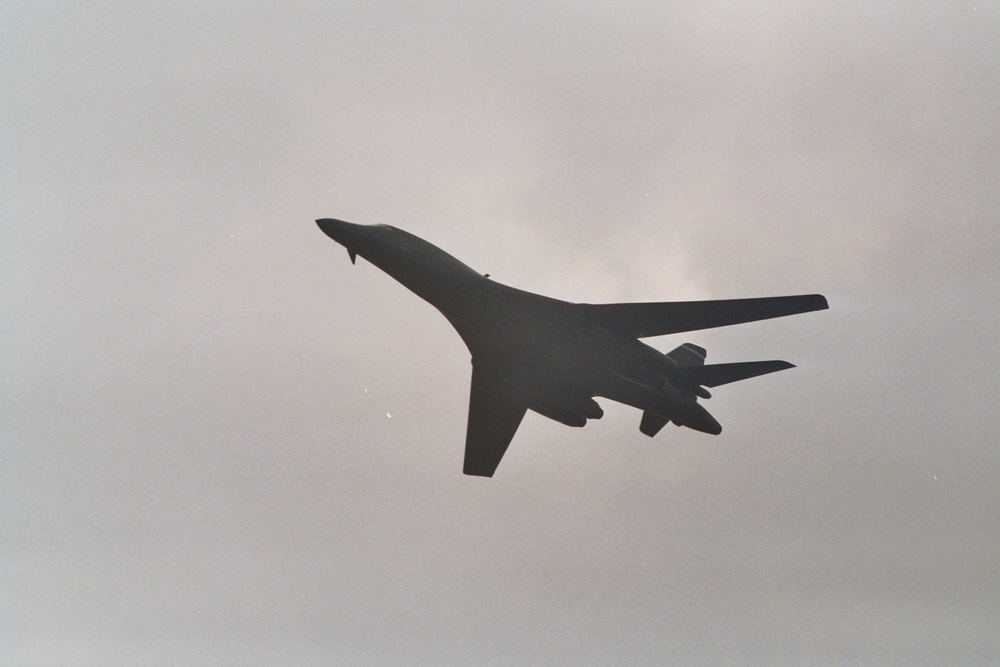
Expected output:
(533, 352)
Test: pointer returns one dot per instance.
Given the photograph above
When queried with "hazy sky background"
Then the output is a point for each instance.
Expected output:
(199, 466)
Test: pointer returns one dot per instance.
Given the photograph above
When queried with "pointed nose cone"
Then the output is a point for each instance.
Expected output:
(338, 230)
(346, 234)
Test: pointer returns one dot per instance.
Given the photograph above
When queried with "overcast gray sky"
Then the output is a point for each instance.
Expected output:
(199, 463)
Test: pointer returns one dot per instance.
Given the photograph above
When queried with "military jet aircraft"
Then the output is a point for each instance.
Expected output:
(553, 357)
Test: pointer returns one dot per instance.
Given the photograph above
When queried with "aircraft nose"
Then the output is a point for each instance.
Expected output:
(347, 234)
(335, 229)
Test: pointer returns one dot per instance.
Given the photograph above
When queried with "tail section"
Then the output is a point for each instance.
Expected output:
(687, 354)
(690, 380)
(692, 415)
(652, 423)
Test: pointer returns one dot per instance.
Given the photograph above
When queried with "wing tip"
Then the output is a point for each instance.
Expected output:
(819, 301)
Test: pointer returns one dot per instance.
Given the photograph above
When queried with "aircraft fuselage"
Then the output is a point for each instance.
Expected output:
(548, 351)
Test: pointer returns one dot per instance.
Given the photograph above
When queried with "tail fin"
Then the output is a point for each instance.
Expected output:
(687, 354)
(715, 374)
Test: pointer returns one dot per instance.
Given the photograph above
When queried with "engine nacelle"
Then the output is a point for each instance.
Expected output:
(572, 412)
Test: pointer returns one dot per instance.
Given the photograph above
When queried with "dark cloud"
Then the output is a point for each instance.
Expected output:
(227, 444)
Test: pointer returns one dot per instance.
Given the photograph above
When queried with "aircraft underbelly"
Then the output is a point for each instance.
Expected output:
(565, 378)
(558, 371)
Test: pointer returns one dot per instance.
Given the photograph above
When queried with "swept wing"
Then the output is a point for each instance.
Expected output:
(657, 319)
(494, 415)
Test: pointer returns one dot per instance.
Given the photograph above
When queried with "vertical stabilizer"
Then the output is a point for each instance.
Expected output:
(687, 354)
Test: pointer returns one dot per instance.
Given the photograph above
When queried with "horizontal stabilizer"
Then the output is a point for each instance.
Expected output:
(715, 374)
(652, 423)
(657, 319)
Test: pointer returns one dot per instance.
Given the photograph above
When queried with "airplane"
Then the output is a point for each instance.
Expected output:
(533, 352)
